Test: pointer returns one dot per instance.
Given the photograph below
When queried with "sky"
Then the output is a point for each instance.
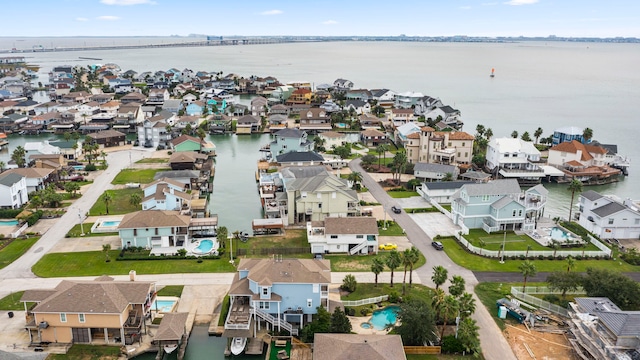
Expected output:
(574, 18)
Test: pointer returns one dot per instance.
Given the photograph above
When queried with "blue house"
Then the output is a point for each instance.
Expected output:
(196, 108)
(161, 231)
(281, 293)
(220, 104)
(288, 140)
(498, 205)
(567, 134)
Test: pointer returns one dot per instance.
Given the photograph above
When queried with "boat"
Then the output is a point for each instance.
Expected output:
(169, 348)
(3, 140)
(237, 345)
(493, 73)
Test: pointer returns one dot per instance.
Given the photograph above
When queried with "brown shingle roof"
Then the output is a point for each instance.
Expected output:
(30, 172)
(460, 135)
(165, 180)
(350, 225)
(186, 156)
(153, 219)
(269, 271)
(358, 347)
(415, 135)
(427, 129)
(105, 134)
(172, 326)
(184, 137)
(573, 147)
(372, 133)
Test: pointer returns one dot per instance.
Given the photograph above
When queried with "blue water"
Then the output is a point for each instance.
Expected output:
(365, 326)
(8, 222)
(163, 305)
(110, 223)
(341, 125)
(559, 234)
(78, 167)
(204, 247)
(381, 318)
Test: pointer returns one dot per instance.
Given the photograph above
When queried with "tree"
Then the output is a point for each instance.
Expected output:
(319, 143)
(377, 266)
(321, 324)
(488, 133)
(587, 134)
(564, 281)
(514, 134)
(457, 285)
(571, 263)
(467, 305)
(537, 134)
(135, 199)
(343, 151)
(36, 201)
(51, 197)
(201, 135)
(398, 164)
(480, 129)
(367, 160)
(448, 177)
(223, 235)
(18, 156)
(439, 276)
(619, 288)
(436, 302)
(575, 186)
(449, 310)
(468, 335)
(349, 283)
(382, 150)
(406, 258)
(414, 257)
(527, 269)
(107, 198)
(529, 247)
(103, 155)
(2, 166)
(71, 188)
(416, 322)
(339, 322)
(392, 262)
(525, 136)
(356, 178)
(105, 249)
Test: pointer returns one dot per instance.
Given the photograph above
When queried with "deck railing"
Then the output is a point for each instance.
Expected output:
(373, 300)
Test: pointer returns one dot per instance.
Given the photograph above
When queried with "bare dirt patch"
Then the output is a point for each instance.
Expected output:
(543, 345)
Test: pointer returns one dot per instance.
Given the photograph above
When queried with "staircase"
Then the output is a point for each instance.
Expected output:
(275, 321)
(358, 247)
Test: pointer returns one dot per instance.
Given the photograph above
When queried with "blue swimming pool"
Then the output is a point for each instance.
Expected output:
(8, 222)
(558, 234)
(110, 223)
(341, 125)
(204, 247)
(78, 167)
(163, 305)
(381, 318)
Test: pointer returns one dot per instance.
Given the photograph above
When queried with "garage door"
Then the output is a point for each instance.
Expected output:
(317, 249)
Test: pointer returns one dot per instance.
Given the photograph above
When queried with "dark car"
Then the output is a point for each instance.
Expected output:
(437, 245)
(396, 210)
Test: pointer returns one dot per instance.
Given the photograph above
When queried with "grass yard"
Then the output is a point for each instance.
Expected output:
(479, 263)
(76, 231)
(153, 161)
(291, 239)
(513, 241)
(361, 263)
(87, 352)
(12, 302)
(402, 194)
(15, 249)
(141, 176)
(367, 290)
(119, 205)
(393, 229)
(171, 290)
(92, 263)
(489, 293)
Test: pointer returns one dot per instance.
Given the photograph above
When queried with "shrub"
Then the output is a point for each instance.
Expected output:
(521, 257)
(90, 167)
(451, 345)
(578, 257)
(540, 257)
(364, 311)
(551, 257)
(182, 252)
(349, 283)
(393, 297)
(552, 298)
(350, 311)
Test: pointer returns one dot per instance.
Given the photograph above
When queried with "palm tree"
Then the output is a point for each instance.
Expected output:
(439, 276)
(393, 261)
(555, 245)
(447, 177)
(587, 134)
(574, 186)
(135, 199)
(105, 249)
(413, 259)
(488, 133)
(103, 155)
(355, 177)
(201, 135)
(514, 134)
(527, 269)
(36, 201)
(437, 300)
(382, 150)
(399, 162)
(537, 134)
(449, 309)
(2, 165)
(18, 155)
(528, 248)
(377, 266)
(467, 305)
(107, 198)
(457, 285)
(480, 129)
(571, 263)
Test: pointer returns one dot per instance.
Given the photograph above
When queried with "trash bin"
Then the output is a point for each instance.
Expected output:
(10, 313)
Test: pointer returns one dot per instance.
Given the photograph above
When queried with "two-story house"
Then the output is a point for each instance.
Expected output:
(282, 292)
(189, 143)
(315, 119)
(157, 96)
(35, 178)
(445, 147)
(352, 235)
(162, 230)
(608, 217)
(288, 140)
(587, 163)
(259, 106)
(165, 194)
(87, 312)
(435, 172)
(13, 191)
(498, 205)
(248, 124)
(407, 100)
(514, 158)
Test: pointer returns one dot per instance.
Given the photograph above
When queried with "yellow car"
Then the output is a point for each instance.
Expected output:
(388, 246)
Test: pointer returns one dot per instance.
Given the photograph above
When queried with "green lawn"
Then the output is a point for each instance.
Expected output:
(15, 249)
(152, 161)
(358, 263)
(141, 176)
(393, 229)
(171, 290)
(92, 263)
(367, 290)
(402, 194)
(76, 231)
(12, 302)
(119, 205)
(489, 293)
(513, 241)
(84, 352)
(291, 239)
(479, 263)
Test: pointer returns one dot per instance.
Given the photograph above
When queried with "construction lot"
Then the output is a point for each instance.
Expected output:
(532, 344)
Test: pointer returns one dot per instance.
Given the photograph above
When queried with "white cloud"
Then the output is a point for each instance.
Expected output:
(108, 18)
(490, 4)
(81, 19)
(271, 12)
(521, 2)
(329, 22)
(465, 7)
(127, 2)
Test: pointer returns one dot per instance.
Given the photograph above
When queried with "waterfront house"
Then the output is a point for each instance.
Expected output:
(277, 122)
(425, 104)
(587, 163)
(67, 148)
(189, 143)
(368, 121)
(89, 108)
(133, 97)
(607, 217)
(330, 106)
(358, 94)
(373, 137)
(333, 139)
(110, 107)
(300, 96)
(279, 109)
(195, 108)
(449, 116)
(407, 100)
(35, 178)
(37, 148)
(103, 98)
(165, 194)
(248, 124)
(360, 107)
(402, 116)
(183, 122)
(358, 346)
(299, 158)
(102, 311)
(172, 105)
(403, 131)
(48, 161)
(440, 191)
(352, 235)
(384, 97)
(108, 138)
(514, 158)
(157, 96)
(186, 160)
(7, 105)
(152, 134)
(567, 134)
(435, 172)
(13, 191)
(165, 231)
(446, 147)
(285, 293)
(498, 205)
(342, 85)
(315, 119)
(185, 177)
(40, 108)
(259, 106)
(290, 140)
(12, 122)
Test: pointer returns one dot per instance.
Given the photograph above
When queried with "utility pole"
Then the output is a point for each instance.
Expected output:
(81, 225)
(504, 240)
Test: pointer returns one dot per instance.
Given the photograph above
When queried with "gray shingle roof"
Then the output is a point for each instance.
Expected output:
(289, 133)
(440, 168)
(495, 187)
(296, 156)
(609, 209)
(504, 201)
(358, 347)
(350, 225)
(10, 179)
(591, 195)
(443, 185)
(172, 326)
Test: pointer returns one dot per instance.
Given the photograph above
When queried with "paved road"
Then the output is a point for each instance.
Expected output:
(117, 161)
(494, 344)
(490, 276)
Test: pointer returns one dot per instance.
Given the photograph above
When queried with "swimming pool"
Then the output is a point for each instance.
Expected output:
(105, 225)
(163, 305)
(341, 125)
(204, 247)
(78, 167)
(558, 234)
(110, 223)
(381, 318)
(8, 222)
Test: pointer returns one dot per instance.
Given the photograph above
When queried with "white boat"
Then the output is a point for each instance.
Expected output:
(169, 348)
(237, 345)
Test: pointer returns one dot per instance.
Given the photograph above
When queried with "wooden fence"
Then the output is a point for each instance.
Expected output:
(423, 350)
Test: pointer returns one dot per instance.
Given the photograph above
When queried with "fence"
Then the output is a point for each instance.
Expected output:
(439, 207)
(532, 300)
(547, 290)
(536, 253)
(19, 232)
(272, 251)
(373, 300)
(433, 350)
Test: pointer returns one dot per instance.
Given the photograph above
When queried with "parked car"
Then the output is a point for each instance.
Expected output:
(388, 246)
(76, 178)
(437, 245)
(396, 210)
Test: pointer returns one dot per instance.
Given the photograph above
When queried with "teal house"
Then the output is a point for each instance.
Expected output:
(164, 232)
(290, 140)
(190, 143)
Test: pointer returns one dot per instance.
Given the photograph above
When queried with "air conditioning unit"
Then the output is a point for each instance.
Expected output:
(43, 325)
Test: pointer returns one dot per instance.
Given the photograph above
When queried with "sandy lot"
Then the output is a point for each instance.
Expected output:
(545, 346)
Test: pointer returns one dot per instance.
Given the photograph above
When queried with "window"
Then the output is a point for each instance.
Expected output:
(463, 144)
(610, 221)
(466, 154)
(135, 232)
(485, 197)
(309, 303)
(334, 236)
(265, 291)
(519, 212)
(637, 221)
(449, 144)
(458, 154)
(506, 155)
(319, 205)
(264, 305)
(359, 236)
(63, 317)
(156, 231)
(514, 213)
(81, 318)
(304, 194)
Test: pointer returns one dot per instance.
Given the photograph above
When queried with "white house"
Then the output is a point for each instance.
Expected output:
(42, 147)
(514, 158)
(440, 191)
(36, 178)
(353, 235)
(165, 194)
(608, 217)
(435, 172)
(13, 191)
